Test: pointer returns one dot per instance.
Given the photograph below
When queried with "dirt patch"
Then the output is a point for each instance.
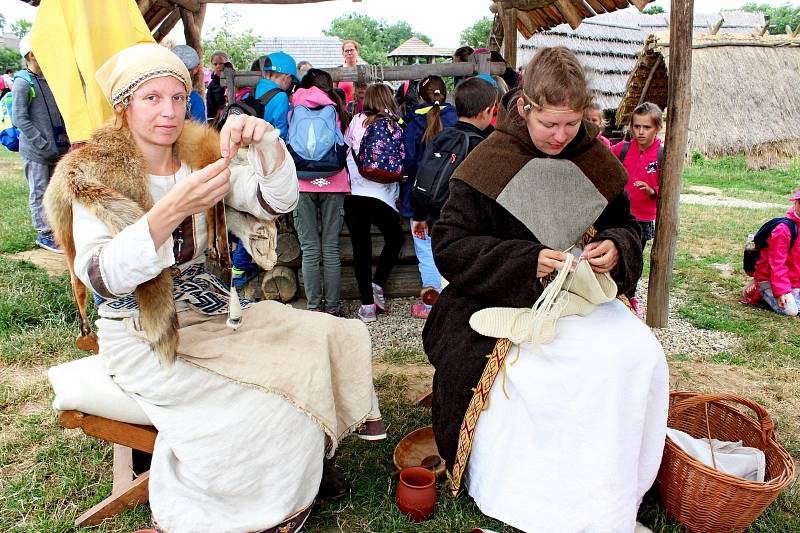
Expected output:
(419, 377)
(724, 201)
(54, 264)
(777, 390)
(20, 376)
(705, 190)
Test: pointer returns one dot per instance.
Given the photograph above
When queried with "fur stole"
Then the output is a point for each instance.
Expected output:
(109, 177)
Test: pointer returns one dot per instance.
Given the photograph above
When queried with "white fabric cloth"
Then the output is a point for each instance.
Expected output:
(580, 440)
(228, 458)
(359, 185)
(731, 458)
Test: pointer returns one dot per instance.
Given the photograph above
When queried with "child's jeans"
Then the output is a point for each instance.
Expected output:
(325, 209)
(792, 299)
(427, 268)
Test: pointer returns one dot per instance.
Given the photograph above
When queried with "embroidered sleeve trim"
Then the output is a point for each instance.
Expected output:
(96, 276)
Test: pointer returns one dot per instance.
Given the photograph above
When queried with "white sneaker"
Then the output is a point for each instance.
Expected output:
(379, 298)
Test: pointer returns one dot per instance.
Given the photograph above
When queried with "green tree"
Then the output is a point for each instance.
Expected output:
(9, 58)
(21, 27)
(477, 35)
(777, 17)
(238, 46)
(653, 10)
(375, 37)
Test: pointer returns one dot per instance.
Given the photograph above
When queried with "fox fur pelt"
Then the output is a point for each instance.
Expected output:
(109, 177)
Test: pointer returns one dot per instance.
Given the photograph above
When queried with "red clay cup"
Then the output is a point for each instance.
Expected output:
(416, 493)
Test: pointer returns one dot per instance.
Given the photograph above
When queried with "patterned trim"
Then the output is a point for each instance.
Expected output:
(495, 362)
(201, 290)
(126, 91)
(96, 276)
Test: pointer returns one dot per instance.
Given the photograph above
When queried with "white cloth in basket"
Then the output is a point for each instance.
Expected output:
(732, 458)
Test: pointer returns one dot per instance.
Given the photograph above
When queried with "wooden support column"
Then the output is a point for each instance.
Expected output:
(509, 16)
(191, 32)
(679, 105)
(570, 12)
(166, 26)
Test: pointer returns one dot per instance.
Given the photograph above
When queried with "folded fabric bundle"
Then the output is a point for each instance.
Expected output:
(575, 293)
(732, 458)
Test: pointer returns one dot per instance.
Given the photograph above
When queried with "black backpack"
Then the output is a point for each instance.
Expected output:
(441, 157)
(752, 249)
(248, 106)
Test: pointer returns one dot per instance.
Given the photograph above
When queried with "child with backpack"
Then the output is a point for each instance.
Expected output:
(773, 259)
(372, 202)
(271, 102)
(642, 158)
(317, 120)
(475, 100)
(423, 122)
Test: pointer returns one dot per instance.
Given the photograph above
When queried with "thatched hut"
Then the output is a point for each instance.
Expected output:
(744, 94)
(415, 50)
(609, 45)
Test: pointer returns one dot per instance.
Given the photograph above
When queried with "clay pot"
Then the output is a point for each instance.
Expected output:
(416, 493)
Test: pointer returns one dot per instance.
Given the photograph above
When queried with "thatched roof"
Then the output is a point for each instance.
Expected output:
(609, 45)
(744, 94)
(414, 47)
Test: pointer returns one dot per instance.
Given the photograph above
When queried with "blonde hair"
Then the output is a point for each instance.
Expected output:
(592, 108)
(555, 77)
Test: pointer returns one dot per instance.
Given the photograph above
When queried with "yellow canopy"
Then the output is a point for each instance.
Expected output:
(71, 40)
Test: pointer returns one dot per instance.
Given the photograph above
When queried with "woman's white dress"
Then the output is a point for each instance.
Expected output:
(579, 439)
(227, 458)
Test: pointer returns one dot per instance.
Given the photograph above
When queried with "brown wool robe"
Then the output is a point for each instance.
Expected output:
(489, 255)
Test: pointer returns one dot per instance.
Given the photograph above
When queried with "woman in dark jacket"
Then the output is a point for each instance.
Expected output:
(570, 437)
(215, 92)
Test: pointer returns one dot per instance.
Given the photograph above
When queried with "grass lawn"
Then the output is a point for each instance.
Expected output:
(49, 475)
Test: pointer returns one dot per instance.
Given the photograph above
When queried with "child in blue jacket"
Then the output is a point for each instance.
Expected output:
(279, 71)
(422, 124)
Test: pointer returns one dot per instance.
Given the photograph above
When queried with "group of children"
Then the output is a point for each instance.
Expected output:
(339, 188)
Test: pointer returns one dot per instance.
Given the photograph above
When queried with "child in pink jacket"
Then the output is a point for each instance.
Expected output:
(321, 204)
(642, 163)
(778, 268)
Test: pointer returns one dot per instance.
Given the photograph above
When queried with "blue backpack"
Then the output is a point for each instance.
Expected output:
(380, 156)
(9, 133)
(316, 142)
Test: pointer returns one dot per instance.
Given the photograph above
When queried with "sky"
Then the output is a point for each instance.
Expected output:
(443, 25)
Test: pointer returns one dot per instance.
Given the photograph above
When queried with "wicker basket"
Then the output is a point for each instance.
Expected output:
(701, 498)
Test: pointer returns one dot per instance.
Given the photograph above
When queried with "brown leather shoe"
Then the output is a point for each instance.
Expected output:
(333, 484)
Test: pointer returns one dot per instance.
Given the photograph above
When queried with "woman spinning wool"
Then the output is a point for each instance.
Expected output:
(554, 416)
(244, 416)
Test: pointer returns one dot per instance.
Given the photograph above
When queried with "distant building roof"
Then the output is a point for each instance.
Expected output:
(321, 52)
(417, 47)
(608, 45)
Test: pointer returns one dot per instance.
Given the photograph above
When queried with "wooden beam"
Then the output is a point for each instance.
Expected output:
(166, 26)
(509, 17)
(191, 5)
(679, 106)
(496, 36)
(570, 13)
(712, 30)
(640, 4)
(144, 6)
(792, 33)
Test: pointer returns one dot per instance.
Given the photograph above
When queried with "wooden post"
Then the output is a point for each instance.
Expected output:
(509, 16)
(679, 104)
(191, 32)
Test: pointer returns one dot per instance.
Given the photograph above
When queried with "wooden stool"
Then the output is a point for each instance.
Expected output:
(83, 387)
